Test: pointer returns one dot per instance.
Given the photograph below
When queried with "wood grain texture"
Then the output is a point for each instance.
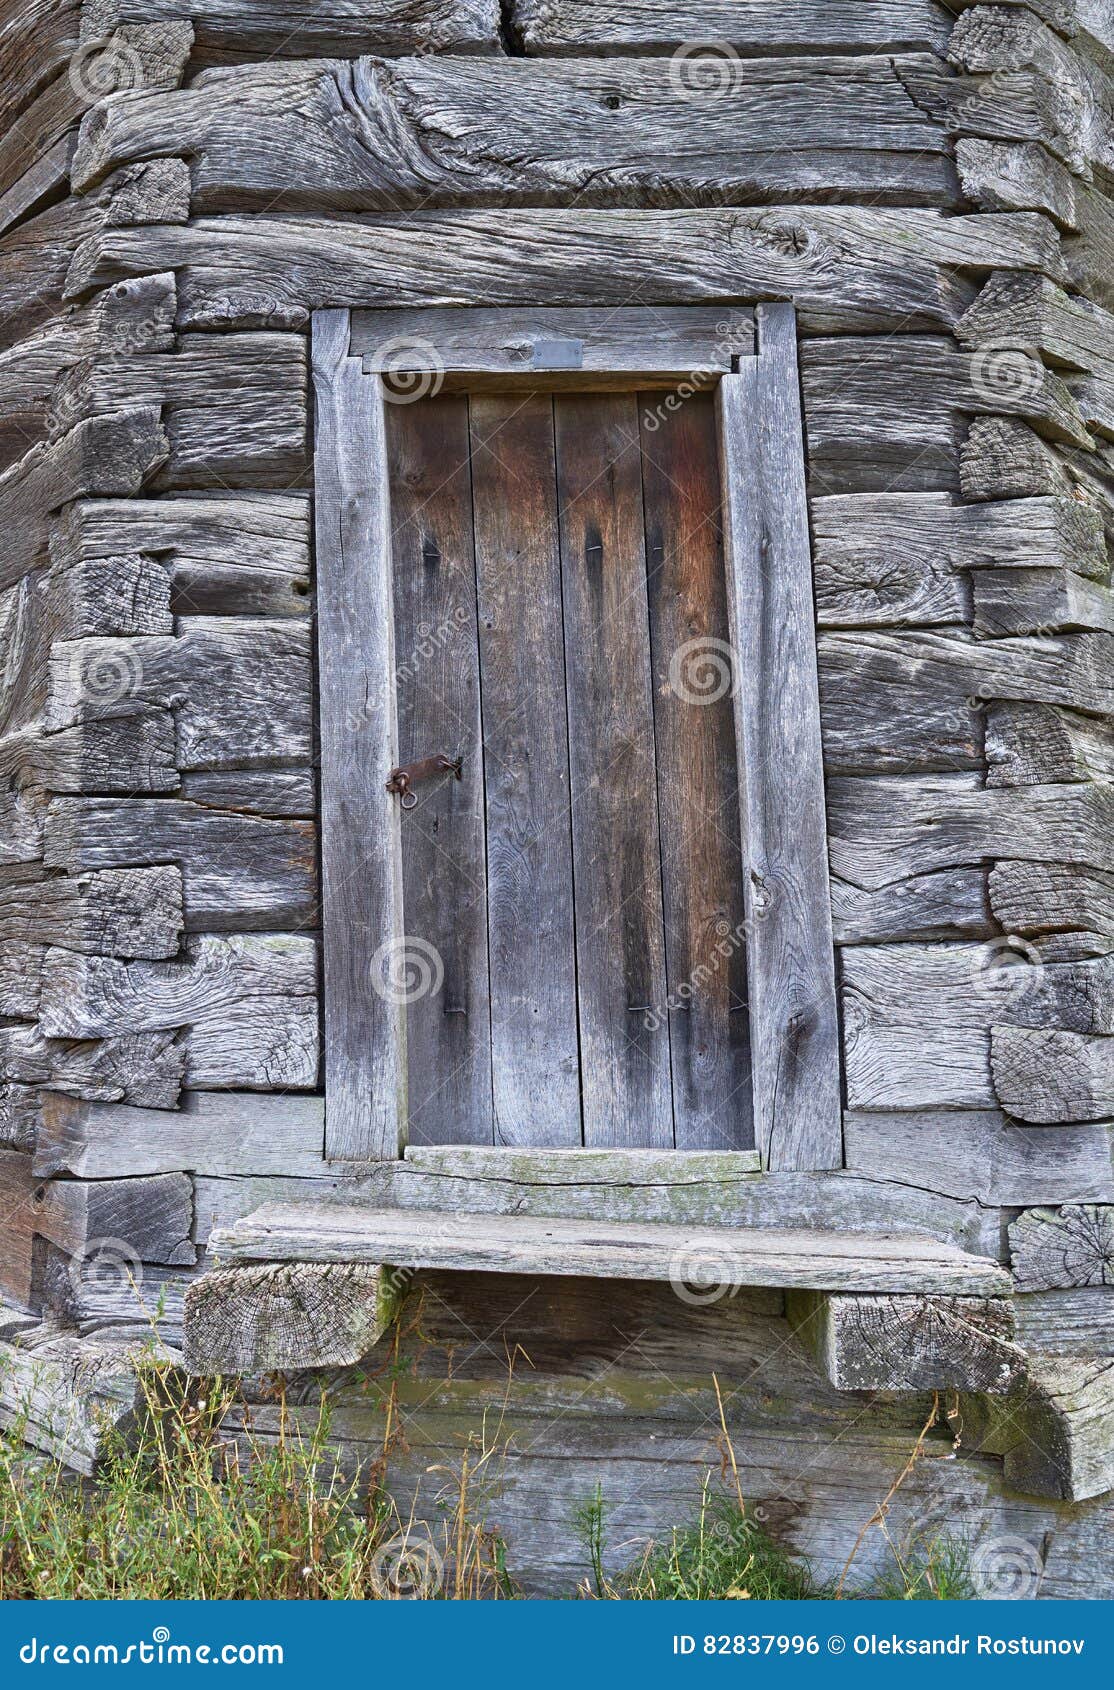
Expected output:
(757, 29)
(254, 29)
(846, 269)
(698, 800)
(389, 135)
(1016, 176)
(365, 1053)
(1067, 909)
(116, 912)
(1047, 1075)
(284, 1316)
(437, 687)
(1067, 1322)
(219, 1134)
(519, 1244)
(228, 556)
(237, 871)
(981, 1154)
(790, 964)
(886, 829)
(908, 1343)
(620, 935)
(1068, 1247)
(532, 952)
(73, 1398)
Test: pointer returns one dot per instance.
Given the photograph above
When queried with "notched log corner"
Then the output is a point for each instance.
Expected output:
(278, 1316)
(909, 1343)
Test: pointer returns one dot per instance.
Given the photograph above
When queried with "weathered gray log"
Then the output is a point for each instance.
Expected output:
(36, 255)
(110, 748)
(249, 1003)
(894, 557)
(1067, 1322)
(1067, 1247)
(914, 701)
(1038, 602)
(883, 830)
(950, 904)
(288, 1315)
(868, 433)
(74, 1398)
(37, 38)
(379, 135)
(1068, 910)
(134, 316)
(1009, 43)
(238, 872)
(1003, 458)
(846, 268)
(20, 1116)
(232, 556)
(143, 1220)
(908, 1343)
(255, 792)
(917, 1019)
(1038, 744)
(258, 29)
(794, 1031)
(980, 1154)
(761, 27)
(234, 405)
(1016, 176)
(20, 972)
(112, 455)
(240, 686)
(1055, 1430)
(117, 912)
(141, 1068)
(214, 1133)
(1052, 1076)
(1089, 254)
(527, 1244)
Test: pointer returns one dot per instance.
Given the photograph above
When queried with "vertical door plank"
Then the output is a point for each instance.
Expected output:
(793, 1024)
(620, 943)
(361, 871)
(534, 1056)
(448, 1030)
(698, 799)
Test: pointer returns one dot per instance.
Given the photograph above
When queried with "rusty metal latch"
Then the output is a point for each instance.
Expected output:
(402, 781)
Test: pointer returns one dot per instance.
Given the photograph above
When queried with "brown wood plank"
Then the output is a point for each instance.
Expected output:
(620, 940)
(437, 669)
(360, 863)
(793, 1019)
(534, 1054)
(698, 801)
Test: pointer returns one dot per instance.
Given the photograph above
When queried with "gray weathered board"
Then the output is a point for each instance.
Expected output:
(684, 1255)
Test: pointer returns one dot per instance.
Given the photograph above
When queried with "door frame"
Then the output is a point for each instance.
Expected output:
(750, 356)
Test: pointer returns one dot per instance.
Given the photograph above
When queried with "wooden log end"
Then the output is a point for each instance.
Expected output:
(908, 1343)
(280, 1316)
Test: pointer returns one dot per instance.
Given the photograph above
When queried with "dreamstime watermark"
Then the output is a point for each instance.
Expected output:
(728, 941)
(700, 1277)
(431, 640)
(702, 671)
(704, 70)
(100, 672)
(160, 1651)
(1007, 1569)
(407, 1569)
(411, 368)
(407, 969)
(1003, 373)
(1006, 969)
(104, 1264)
(108, 65)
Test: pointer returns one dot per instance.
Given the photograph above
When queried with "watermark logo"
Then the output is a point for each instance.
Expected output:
(1002, 373)
(702, 671)
(407, 1569)
(1006, 969)
(1007, 1569)
(700, 1277)
(407, 969)
(703, 70)
(102, 67)
(105, 1263)
(108, 673)
(411, 368)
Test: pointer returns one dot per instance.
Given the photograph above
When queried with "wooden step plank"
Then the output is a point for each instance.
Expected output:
(683, 1255)
(583, 1166)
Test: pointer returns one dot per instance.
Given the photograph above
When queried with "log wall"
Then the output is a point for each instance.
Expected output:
(181, 183)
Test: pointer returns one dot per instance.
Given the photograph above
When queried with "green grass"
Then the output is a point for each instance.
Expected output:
(195, 1503)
